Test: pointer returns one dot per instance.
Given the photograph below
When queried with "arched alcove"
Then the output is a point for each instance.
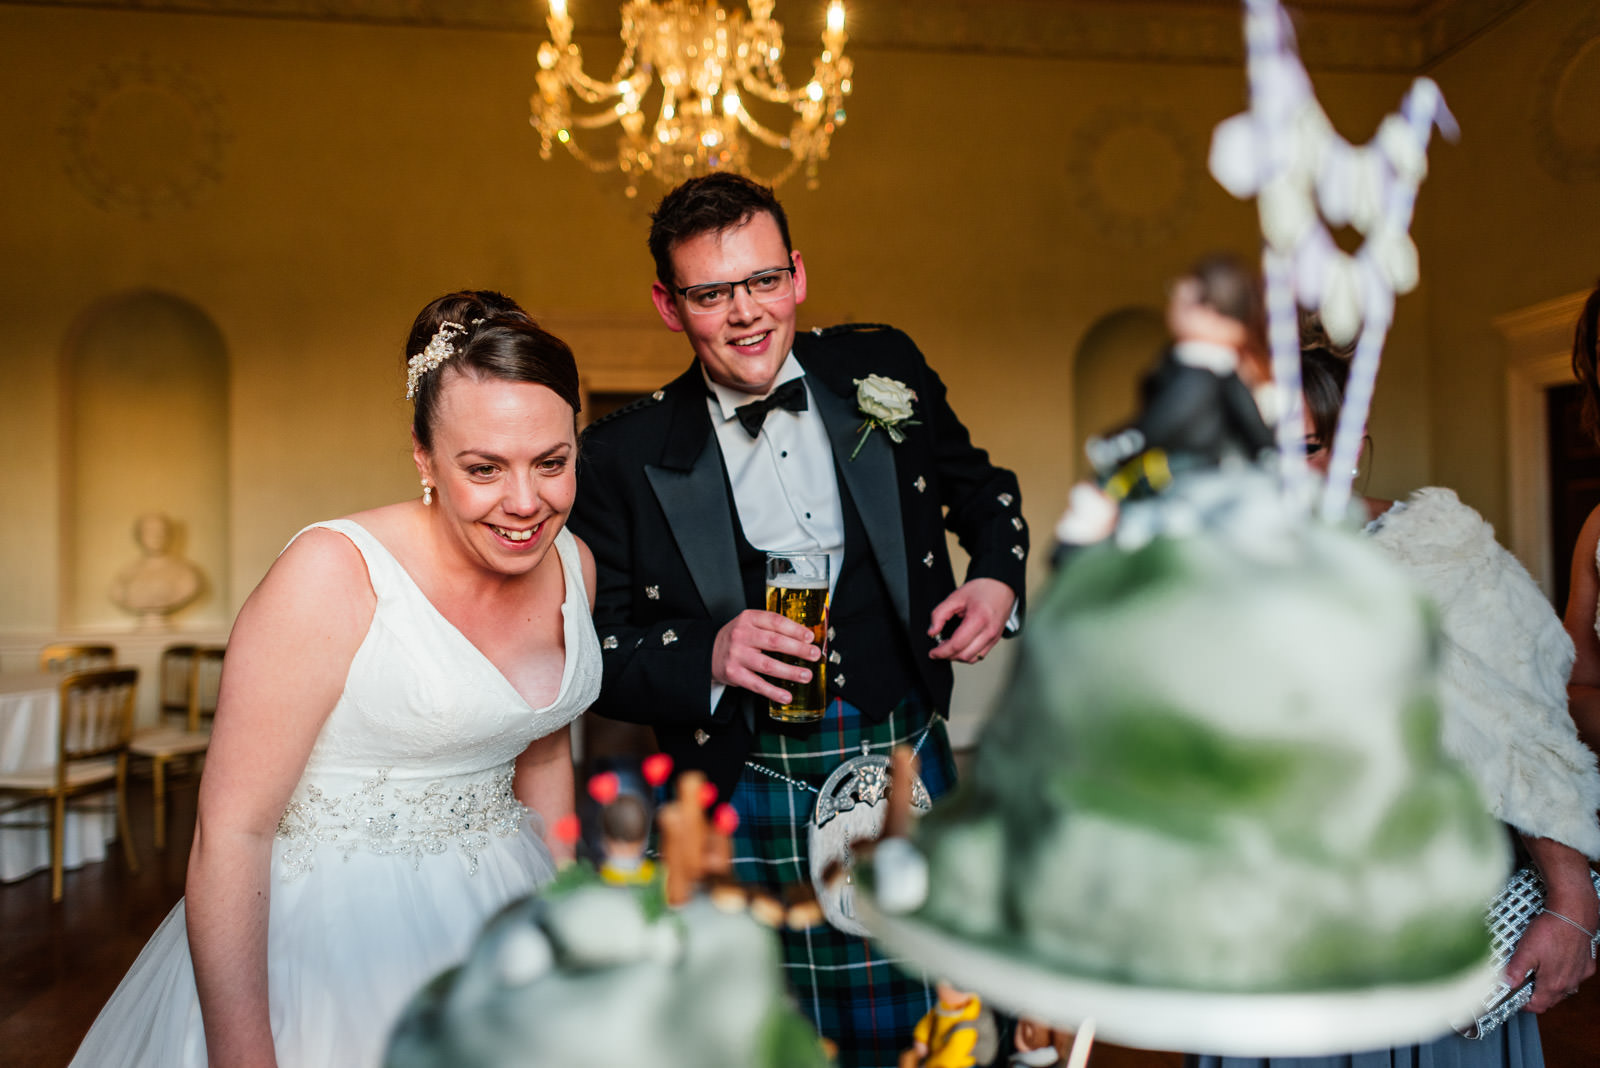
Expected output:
(145, 428)
(1116, 352)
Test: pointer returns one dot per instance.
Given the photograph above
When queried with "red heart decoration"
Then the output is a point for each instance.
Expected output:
(567, 828)
(657, 768)
(726, 820)
(604, 787)
(708, 795)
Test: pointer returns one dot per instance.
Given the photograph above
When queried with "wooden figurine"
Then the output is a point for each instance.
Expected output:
(959, 1032)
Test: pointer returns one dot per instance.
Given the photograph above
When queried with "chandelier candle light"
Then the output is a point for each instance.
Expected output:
(710, 62)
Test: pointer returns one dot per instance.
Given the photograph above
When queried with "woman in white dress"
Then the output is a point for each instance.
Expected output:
(397, 697)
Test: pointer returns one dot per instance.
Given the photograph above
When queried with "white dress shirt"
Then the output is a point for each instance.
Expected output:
(785, 492)
(784, 487)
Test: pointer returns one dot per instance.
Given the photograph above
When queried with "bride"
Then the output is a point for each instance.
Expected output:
(397, 697)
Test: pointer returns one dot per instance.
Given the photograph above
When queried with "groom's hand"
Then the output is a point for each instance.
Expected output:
(739, 655)
(983, 605)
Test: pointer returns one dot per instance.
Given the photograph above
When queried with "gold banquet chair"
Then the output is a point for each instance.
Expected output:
(64, 657)
(167, 743)
(176, 662)
(94, 726)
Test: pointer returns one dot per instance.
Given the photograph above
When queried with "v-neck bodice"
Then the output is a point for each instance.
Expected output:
(423, 709)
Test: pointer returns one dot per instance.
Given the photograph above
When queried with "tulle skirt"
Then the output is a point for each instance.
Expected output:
(348, 944)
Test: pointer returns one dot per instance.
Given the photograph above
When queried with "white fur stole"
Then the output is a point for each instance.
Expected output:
(1506, 660)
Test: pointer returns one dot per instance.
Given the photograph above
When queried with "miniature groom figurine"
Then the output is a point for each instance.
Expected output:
(838, 441)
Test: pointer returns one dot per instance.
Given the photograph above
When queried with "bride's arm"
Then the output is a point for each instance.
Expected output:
(288, 657)
(544, 783)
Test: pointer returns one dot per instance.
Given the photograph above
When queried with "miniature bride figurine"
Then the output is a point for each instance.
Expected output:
(159, 582)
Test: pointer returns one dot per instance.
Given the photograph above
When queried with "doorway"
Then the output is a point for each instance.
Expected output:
(1574, 480)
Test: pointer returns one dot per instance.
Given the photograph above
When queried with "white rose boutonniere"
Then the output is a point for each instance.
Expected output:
(887, 405)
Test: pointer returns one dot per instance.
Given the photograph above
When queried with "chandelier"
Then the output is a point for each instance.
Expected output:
(712, 65)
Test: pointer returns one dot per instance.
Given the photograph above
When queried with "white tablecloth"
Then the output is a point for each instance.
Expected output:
(28, 724)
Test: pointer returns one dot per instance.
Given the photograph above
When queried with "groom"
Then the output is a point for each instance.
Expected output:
(764, 444)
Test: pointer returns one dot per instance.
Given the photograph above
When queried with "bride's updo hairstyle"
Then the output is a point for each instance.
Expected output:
(1585, 339)
(482, 335)
(1323, 376)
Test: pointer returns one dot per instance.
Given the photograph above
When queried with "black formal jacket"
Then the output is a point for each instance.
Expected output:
(655, 507)
(1197, 412)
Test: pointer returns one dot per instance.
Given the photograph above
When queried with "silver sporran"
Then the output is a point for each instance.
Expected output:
(853, 804)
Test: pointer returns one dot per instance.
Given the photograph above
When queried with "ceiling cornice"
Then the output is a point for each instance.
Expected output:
(1399, 36)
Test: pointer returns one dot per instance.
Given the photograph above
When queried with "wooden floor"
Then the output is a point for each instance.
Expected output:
(59, 963)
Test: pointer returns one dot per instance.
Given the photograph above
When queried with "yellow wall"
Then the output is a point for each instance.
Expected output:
(1500, 232)
(994, 207)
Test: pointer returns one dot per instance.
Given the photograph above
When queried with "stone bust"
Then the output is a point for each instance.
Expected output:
(159, 582)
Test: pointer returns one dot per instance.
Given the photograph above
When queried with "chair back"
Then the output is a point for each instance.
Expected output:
(177, 666)
(65, 657)
(96, 714)
(205, 680)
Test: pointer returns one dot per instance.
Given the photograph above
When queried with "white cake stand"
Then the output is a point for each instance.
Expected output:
(1240, 1025)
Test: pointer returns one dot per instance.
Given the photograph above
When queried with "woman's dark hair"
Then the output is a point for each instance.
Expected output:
(495, 339)
(1323, 376)
(1585, 338)
(708, 204)
(1314, 335)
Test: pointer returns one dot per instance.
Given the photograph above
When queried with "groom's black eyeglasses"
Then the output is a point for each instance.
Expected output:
(765, 286)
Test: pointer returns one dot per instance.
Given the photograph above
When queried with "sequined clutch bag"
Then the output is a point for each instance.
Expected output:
(1509, 915)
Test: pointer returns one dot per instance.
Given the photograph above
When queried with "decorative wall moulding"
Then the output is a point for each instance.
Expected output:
(144, 137)
(1565, 136)
(1400, 36)
(1136, 175)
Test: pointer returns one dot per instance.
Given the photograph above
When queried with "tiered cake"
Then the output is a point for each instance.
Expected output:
(1216, 773)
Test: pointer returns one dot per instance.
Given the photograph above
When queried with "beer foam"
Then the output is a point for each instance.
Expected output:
(792, 581)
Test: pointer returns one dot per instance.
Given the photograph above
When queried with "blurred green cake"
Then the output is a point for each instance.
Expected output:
(592, 975)
(1216, 769)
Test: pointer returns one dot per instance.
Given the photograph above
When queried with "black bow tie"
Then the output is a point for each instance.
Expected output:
(790, 395)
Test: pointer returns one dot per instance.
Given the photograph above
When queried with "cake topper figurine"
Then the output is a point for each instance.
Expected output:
(625, 819)
(958, 1032)
(1198, 409)
(1305, 178)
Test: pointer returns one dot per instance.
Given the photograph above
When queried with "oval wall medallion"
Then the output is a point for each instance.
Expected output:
(143, 138)
(1134, 173)
(1566, 135)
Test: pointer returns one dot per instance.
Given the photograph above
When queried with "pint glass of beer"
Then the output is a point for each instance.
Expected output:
(797, 589)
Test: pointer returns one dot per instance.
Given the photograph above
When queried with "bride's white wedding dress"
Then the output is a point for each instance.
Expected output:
(400, 840)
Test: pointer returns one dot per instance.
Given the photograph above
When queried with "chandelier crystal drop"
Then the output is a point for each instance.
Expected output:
(712, 66)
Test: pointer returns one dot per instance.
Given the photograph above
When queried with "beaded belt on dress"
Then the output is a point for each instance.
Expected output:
(401, 819)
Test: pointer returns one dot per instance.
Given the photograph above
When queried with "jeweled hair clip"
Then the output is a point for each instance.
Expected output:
(439, 349)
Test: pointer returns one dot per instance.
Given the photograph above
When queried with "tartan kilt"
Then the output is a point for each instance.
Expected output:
(852, 993)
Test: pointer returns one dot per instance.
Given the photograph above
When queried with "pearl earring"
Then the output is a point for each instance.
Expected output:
(427, 493)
